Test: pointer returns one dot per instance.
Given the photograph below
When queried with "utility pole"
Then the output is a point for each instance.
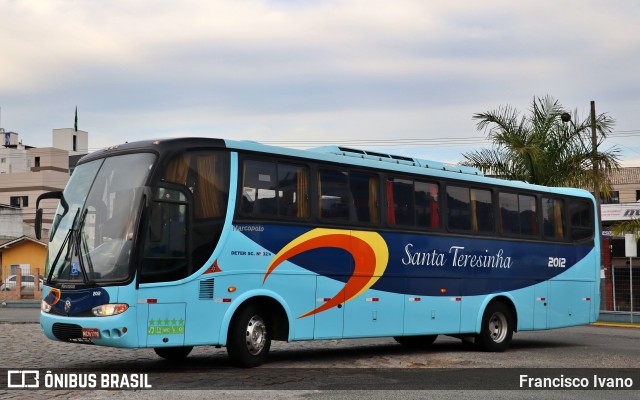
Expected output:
(594, 155)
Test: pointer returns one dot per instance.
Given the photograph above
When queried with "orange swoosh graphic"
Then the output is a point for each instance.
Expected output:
(369, 251)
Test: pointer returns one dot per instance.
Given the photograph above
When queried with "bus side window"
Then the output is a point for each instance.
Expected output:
(553, 218)
(469, 209)
(259, 188)
(426, 201)
(293, 191)
(517, 214)
(400, 197)
(581, 217)
(333, 189)
(364, 189)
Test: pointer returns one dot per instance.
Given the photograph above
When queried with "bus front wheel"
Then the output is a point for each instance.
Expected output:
(249, 337)
(497, 328)
(173, 353)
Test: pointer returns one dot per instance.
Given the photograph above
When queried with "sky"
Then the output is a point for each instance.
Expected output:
(402, 76)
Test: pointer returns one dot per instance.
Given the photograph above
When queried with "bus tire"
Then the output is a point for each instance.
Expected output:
(416, 341)
(173, 353)
(496, 329)
(249, 338)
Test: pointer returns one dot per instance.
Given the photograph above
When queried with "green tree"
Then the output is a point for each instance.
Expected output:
(540, 148)
(623, 227)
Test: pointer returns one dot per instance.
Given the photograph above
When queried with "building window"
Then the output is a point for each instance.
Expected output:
(637, 195)
(75, 143)
(19, 201)
(613, 198)
(3, 160)
(37, 162)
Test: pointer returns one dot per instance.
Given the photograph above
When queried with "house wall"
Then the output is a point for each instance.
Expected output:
(25, 252)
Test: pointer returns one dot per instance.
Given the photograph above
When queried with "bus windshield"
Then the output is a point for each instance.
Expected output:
(91, 241)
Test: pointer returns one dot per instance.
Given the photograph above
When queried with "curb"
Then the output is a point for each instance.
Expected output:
(616, 325)
(21, 304)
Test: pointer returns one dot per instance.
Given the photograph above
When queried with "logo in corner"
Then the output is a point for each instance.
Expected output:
(368, 249)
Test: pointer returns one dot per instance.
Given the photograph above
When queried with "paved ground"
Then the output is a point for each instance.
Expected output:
(25, 347)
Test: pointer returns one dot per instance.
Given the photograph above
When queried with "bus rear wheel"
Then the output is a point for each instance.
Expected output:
(173, 353)
(249, 338)
(496, 329)
(416, 341)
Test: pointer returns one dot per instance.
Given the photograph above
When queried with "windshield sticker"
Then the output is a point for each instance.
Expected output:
(75, 268)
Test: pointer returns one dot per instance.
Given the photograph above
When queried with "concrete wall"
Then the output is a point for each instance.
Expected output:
(11, 222)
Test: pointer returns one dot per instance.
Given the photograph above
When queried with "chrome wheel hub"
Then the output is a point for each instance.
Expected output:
(498, 327)
(256, 335)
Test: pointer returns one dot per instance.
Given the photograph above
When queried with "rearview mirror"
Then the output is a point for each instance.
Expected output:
(40, 211)
(38, 223)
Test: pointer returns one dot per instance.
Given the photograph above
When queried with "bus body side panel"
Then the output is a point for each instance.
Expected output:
(242, 264)
(574, 293)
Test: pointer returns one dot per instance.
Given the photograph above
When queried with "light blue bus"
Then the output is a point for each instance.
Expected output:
(176, 243)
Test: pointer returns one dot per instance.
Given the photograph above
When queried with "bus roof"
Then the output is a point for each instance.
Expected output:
(338, 154)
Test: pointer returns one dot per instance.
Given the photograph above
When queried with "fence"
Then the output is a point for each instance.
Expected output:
(620, 286)
(17, 286)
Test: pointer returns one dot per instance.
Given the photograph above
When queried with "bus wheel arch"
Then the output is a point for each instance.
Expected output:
(498, 322)
(254, 324)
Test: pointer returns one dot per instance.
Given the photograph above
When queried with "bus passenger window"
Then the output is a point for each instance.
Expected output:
(293, 191)
(518, 214)
(581, 217)
(211, 180)
(481, 211)
(259, 188)
(469, 209)
(364, 189)
(528, 215)
(400, 198)
(458, 208)
(553, 218)
(333, 188)
(426, 201)
(509, 218)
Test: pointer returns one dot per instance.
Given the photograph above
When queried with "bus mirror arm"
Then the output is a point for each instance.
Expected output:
(40, 211)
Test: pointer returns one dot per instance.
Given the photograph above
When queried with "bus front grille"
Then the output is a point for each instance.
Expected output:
(67, 332)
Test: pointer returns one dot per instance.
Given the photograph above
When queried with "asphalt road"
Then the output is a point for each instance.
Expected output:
(339, 368)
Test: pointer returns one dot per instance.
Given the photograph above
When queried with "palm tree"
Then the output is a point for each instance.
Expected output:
(540, 148)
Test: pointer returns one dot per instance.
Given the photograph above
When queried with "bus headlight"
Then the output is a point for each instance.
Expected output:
(107, 310)
(44, 306)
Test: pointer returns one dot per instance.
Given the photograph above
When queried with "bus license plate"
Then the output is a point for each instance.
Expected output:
(90, 333)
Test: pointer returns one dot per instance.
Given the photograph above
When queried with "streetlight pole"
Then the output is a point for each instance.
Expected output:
(594, 161)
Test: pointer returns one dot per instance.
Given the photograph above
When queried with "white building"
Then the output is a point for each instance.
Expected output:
(26, 172)
(75, 142)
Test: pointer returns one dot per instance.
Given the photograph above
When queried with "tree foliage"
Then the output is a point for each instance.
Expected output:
(540, 148)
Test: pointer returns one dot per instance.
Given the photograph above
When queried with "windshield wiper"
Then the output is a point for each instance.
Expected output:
(64, 243)
(78, 247)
